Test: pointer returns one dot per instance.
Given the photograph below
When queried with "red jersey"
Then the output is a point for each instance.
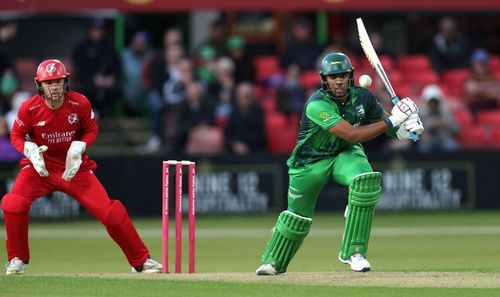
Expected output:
(55, 128)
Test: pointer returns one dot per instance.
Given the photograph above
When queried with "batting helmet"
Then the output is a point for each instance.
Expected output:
(51, 69)
(336, 63)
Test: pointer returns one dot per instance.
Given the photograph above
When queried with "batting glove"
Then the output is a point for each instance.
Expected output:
(401, 111)
(403, 134)
(34, 154)
(414, 124)
(73, 159)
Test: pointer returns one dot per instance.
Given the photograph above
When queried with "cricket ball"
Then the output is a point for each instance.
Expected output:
(365, 81)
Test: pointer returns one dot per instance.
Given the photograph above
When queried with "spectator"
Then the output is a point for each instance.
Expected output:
(7, 151)
(222, 89)
(440, 126)
(98, 69)
(169, 72)
(172, 36)
(17, 100)
(290, 92)
(449, 49)
(244, 69)
(217, 38)
(379, 45)
(302, 49)
(205, 70)
(196, 110)
(337, 45)
(244, 132)
(8, 79)
(134, 58)
(8, 87)
(482, 88)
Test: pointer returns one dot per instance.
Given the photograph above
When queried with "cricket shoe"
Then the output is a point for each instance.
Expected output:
(15, 266)
(150, 266)
(266, 269)
(358, 263)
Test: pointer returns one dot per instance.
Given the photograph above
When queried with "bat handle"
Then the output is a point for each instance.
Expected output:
(414, 136)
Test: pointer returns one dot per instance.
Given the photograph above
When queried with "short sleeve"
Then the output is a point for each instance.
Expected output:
(323, 114)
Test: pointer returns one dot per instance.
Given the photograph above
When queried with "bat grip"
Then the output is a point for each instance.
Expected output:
(414, 135)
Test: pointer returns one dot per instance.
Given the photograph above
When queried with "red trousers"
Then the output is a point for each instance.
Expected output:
(88, 191)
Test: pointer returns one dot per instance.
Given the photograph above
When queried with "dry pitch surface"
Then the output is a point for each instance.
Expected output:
(372, 279)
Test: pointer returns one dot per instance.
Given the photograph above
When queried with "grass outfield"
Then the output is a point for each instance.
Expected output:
(412, 254)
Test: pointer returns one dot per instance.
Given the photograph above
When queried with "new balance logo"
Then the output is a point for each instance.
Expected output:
(40, 124)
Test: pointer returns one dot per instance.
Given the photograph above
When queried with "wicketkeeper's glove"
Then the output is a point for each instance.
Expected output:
(34, 153)
(74, 159)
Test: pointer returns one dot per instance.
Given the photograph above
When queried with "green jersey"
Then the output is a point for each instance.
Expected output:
(321, 113)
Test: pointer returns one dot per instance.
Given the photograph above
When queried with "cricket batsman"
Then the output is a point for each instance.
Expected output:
(336, 119)
(53, 129)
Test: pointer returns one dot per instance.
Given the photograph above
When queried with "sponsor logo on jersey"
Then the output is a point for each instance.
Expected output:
(34, 106)
(74, 102)
(19, 122)
(59, 137)
(360, 111)
(73, 118)
(40, 124)
(325, 116)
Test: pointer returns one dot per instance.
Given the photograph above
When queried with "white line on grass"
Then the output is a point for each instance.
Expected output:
(253, 233)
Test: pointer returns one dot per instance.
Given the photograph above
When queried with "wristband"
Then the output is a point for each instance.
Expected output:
(388, 121)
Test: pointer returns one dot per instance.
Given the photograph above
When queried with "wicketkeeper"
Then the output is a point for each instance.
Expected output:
(336, 119)
(53, 129)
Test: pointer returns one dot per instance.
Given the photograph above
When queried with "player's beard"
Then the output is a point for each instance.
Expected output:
(54, 96)
(340, 91)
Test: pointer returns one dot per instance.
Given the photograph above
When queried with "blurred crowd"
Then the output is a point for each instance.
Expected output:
(217, 98)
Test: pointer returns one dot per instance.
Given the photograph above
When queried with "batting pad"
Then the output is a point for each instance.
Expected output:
(364, 193)
(287, 237)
